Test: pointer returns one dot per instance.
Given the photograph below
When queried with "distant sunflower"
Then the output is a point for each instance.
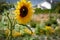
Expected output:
(24, 11)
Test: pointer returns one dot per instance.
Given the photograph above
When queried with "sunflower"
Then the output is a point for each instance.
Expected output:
(24, 11)
(14, 33)
(26, 30)
(49, 29)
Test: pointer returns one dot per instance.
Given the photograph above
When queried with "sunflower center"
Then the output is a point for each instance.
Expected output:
(23, 11)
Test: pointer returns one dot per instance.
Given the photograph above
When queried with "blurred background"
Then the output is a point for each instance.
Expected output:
(45, 22)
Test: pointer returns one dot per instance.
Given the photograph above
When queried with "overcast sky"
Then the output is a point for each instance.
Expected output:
(34, 2)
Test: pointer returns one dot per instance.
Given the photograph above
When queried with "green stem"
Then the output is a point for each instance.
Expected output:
(27, 27)
(11, 28)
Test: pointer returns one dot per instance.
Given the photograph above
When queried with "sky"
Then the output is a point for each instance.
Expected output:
(34, 2)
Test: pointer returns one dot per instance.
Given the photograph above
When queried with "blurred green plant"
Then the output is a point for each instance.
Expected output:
(5, 6)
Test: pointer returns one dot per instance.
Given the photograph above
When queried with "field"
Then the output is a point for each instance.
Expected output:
(22, 22)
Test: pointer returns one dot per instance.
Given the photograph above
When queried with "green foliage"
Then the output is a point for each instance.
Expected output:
(33, 24)
(52, 21)
(5, 6)
(58, 7)
(39, 10)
